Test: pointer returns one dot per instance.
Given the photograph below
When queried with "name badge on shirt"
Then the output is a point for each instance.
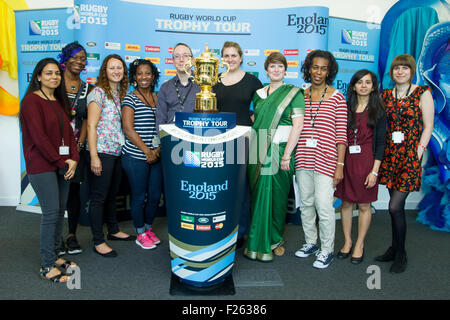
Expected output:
(311, 143)
(354, 149)
(64, 150)
(398, 136)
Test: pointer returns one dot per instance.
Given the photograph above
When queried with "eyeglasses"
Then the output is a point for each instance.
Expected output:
(178, 56)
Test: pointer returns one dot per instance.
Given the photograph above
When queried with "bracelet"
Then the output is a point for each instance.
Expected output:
(285, 159)
(423, 147)
(374, 173)
(340, 163)
(81, 145)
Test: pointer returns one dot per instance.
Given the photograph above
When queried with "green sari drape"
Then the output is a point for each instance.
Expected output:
(269, 184)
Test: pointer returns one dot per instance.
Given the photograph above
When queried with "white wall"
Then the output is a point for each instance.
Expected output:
(367, 10)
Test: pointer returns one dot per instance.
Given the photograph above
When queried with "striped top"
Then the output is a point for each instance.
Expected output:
(144, 125)
(330, 129)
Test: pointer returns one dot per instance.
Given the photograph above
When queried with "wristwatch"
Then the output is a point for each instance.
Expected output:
(81, 145)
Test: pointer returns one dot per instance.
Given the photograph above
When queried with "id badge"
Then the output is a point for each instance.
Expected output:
(354, 149)
(64, 150)
(398, 136)
(311, 143)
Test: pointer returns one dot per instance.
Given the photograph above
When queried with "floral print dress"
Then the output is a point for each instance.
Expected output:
(401, 169)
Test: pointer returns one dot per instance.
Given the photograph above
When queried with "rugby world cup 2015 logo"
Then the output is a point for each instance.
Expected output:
(35, 27)
(192, 159)
(346, 36)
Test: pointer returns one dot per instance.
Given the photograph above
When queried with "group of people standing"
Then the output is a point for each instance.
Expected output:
(335, 148)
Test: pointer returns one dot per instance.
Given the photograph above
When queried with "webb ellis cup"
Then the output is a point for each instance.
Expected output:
(206, 75)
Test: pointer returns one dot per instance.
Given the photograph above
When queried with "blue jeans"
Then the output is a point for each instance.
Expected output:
(146, 186)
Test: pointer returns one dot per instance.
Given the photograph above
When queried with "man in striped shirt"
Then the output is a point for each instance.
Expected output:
(320, 153)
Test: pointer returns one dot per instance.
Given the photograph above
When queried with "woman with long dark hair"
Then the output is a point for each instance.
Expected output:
(140, 154)
(105, 141)
(51, 158)
(410, 115)
(366, 133)
(73, 59)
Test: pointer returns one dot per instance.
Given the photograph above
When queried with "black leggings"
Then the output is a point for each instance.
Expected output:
(398, 220)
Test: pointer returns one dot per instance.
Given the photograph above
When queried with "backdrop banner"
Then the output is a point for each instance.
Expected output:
(135, 30)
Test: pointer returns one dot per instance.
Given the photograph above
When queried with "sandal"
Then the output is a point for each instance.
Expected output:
(279, 249)
(66, 264)
(57, 278)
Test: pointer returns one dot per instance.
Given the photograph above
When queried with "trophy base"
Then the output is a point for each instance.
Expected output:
(206, 104)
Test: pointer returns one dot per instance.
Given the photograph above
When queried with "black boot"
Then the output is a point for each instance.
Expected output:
(399, 264)
(389, 255)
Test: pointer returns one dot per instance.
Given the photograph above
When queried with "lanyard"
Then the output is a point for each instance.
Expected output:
(60, 121)
(357, 123)
(401, 107)
(313, 119)
(182, 100)
(145, 98)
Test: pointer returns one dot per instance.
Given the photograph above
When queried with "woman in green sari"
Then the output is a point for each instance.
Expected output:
(279, 110)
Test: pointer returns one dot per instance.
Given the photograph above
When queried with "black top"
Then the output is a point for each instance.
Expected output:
(81, 106)
(238, 97)
(379, 137)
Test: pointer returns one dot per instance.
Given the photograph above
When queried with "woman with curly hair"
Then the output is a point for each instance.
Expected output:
(140, 154)
(105, 141)
(319, 159)
(73, 62)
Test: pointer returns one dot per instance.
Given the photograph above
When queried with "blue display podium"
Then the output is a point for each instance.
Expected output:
(204, 164)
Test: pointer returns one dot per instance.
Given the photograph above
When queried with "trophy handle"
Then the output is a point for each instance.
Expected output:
(187, 70)
(224, 64)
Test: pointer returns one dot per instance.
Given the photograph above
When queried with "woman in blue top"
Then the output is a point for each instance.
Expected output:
(140, 155)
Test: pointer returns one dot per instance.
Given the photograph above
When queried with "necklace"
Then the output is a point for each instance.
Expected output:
(146, 101)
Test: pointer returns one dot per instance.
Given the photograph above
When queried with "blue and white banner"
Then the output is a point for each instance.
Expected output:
(135, 30)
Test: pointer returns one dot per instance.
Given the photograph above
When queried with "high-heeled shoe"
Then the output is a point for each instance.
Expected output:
(357, 260)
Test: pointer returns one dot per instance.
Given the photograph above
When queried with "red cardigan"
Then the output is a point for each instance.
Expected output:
(41, 135)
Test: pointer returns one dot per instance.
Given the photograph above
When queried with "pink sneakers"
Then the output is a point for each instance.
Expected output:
(144, 241)
(152, 236)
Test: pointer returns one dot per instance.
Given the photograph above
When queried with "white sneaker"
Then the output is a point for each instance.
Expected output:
(307, 250)
(323, 260)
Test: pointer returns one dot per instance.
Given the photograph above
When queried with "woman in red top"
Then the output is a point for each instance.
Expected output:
(51, 158)
(366, 135)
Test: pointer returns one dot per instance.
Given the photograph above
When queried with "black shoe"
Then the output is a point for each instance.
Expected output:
(111, 254)
(72, 246)
(399, 264)
(389, 255)
(62, 249)
(129, 238)
(357, 260)
(344, 255)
